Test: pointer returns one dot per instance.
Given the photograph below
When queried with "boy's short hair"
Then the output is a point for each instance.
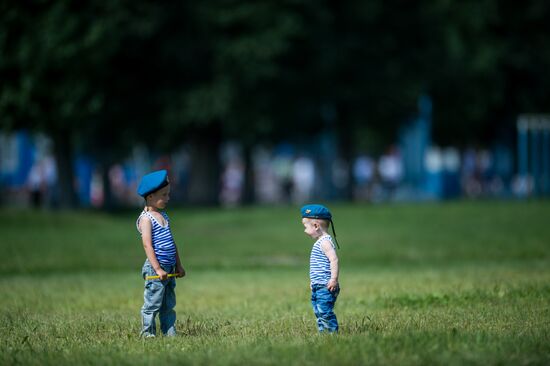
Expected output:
(322, 222)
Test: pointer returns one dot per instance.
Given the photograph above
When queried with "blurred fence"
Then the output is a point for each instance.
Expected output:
(533, 153)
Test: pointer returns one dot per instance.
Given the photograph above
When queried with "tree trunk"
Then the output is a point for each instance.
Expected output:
(248, 187)
(204, 184)
(346, 152)
(63, 151)
(109, 202)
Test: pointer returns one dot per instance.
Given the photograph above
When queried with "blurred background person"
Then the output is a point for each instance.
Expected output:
(391, 171)
(303, 178)
(36, 183)
(363, 175)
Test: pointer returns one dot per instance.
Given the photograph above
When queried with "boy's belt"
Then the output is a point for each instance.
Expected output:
(318, 286)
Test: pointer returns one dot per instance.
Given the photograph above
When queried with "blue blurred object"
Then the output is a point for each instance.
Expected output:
(415, 140)
(21, 158)
(84, 172)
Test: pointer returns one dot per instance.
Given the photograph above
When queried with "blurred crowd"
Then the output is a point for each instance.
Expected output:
(281, 174)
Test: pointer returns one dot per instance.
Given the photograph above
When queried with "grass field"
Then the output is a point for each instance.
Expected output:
(453, 284)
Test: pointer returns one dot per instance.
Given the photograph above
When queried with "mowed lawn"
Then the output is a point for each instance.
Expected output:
(452, 284)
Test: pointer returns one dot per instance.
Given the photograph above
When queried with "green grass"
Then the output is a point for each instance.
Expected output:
(457, 283)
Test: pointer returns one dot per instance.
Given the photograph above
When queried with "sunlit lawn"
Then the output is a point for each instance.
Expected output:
(458, 283)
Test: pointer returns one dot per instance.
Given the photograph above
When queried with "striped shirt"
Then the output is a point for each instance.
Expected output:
(319, 265)
(163, 243)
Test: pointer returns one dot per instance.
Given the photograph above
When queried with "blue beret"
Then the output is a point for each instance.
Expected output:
(316, 212)
(152, 182)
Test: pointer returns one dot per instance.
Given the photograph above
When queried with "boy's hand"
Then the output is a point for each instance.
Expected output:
(180, 271)
(332, 284)
(162, 274)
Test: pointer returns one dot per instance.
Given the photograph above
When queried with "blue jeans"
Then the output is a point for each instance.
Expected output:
(322, 301)
(159, 298)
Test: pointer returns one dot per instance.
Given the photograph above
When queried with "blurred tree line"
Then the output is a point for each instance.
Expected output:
(99, 77)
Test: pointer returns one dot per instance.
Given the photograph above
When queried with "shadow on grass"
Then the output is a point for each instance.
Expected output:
(196, 328)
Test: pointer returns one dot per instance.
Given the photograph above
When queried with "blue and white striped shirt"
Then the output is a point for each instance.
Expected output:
(163, 242)
(319, 265)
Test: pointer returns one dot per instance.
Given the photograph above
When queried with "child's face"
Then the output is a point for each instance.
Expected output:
(311, 228)
(160, 198)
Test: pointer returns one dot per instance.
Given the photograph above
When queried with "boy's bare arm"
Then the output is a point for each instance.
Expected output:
(146, 237)
(179, 267)
(329, 251)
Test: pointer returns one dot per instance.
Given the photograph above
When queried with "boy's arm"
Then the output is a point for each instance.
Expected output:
(146, 237)
(329, 251)
(179, 267)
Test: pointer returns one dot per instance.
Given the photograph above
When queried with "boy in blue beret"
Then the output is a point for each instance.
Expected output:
(163, 261)
(323, 266)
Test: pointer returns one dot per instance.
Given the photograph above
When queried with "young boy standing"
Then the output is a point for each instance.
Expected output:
(323, 266)
(162, 256)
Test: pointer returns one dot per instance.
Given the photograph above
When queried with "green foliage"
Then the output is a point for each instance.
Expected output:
(99, 75)
(431, 284)
(276, 62)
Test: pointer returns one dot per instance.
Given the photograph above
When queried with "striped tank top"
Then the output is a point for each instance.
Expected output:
(163, 242)
(319, 265)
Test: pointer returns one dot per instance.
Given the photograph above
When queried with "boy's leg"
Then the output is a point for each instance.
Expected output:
(324, 310)
(167, 315)
(153, 294)
(152, 301)
(320, 324)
